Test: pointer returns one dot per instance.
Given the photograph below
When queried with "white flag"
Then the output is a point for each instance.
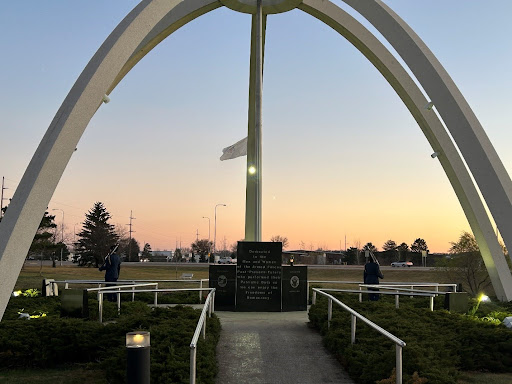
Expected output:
(236, 150)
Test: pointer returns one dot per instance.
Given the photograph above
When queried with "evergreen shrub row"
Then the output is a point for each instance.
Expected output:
(53, 341)
(439, 343)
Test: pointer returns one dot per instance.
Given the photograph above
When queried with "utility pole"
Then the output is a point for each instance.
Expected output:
(2, 198)
(130, 241)
(197, 234)
(62, 240)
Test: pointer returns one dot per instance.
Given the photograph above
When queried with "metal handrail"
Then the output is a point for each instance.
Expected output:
(391, 283)
(122, 286)
(126, 281)
(156, 290)
(117, 290)
(396, 293)
(200, 328)
(398, 288)
(354, 316)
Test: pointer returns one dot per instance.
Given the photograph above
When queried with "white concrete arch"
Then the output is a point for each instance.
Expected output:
(433, 129)
(101, 74)
(148, 24)
(476, 148)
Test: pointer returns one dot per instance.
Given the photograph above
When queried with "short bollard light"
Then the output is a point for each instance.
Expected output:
(137, 357)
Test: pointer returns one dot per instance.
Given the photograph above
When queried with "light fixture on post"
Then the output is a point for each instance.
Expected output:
(137, 357)
(215, 229)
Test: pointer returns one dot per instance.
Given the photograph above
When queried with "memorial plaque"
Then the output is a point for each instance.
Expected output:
(258, 287)
(223, 279)
(295, 288)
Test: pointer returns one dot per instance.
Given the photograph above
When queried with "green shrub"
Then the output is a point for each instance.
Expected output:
(53, 341)
(439, 343)
(32, 305)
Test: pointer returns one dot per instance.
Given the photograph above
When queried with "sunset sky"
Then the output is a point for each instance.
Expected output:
(342, 156)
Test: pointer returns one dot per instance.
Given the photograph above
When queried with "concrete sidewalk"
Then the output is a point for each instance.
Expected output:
(273, 348)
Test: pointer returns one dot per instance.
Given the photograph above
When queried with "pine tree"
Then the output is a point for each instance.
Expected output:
(44, 239)
(146, 252)
(43, 246)
(96, 237)
(419, 245)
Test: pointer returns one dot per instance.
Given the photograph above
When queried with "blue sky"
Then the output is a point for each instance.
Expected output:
(342, 155)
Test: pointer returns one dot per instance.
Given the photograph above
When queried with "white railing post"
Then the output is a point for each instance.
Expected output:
(329, 313)
(100, 306)
(66, 286)
(133, 293)
(204, 328)
(192, 364)
(412, 289)
(398, 364)
(118, 300)
(313, 300)
(209, 306)
(156, 295)
(397, 301)
(200, 292)
(361, 295)
(432, 303)
(353, 320)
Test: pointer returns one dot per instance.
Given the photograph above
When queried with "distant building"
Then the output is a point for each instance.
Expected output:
(162, 256)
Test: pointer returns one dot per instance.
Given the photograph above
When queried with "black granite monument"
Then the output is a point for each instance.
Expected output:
(295, 288)
(258, 287)
(223, 279)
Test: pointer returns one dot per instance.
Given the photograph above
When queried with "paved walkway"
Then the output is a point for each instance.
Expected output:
(273, 348)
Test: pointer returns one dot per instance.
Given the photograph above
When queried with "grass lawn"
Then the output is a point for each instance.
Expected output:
(70, 375)
(31, 276)
(391, 274)
(487, 378)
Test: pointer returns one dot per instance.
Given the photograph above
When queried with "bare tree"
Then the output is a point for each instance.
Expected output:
(280, 239)
(466, 265)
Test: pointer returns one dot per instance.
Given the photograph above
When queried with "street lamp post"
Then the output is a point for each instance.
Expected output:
(215, 228)
(209, 250)
(62, 240)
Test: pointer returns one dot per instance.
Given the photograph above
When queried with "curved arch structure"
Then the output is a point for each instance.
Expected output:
(152, 21)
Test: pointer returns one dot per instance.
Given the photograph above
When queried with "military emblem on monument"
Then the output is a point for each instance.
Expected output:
(294, 281)
(222, 281)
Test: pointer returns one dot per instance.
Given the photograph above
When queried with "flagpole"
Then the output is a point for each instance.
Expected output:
(253, 211)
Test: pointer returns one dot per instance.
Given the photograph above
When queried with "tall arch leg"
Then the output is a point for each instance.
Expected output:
(38, 184)
(434, 131)
(478, 151)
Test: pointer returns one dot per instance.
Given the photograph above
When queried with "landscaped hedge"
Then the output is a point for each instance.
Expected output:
(439, 343)
(52, 341)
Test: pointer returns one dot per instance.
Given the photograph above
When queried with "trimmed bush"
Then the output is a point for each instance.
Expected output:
(439, 343)
(53, 341)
